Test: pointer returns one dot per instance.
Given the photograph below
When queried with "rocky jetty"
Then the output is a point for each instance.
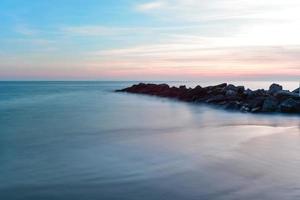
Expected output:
(227, 96)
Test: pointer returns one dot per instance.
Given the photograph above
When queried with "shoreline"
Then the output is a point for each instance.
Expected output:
(227, 96)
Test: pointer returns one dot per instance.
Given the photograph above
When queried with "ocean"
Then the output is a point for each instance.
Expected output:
(83, 141)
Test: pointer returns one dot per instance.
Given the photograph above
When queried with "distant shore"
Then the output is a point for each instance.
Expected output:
(227, 96)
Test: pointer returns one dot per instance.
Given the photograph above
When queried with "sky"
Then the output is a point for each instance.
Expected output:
(149, 40)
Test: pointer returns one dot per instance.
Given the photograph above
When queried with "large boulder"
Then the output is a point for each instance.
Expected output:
(135, 88)
(240, 89)
(255, 102)
(231, 93)
(284, 95)
(215, 91)
(274, 88)
(248, 93)
(245, 108)
(290, 105)
(252, 104)
(196, 93)
(182, 87)
(231, 87)
(296, 90)
(222, 85)
(259, 93)
(270, 105)
(216, 99)
(233, 105)
(173, 92)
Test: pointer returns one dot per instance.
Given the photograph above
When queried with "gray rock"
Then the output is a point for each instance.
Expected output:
(259, 93)
(216, 99)
(248, 93)
(256, 102)
(290, 106)
(270, 105)
(240, 89)
(274, 88)
(230, 93)
(284, 95)
(183, 87)
(245, 108)
(234, 105)
(255, 110)
(198, 87)
(222, 85)
(296, 91)
(231, 87)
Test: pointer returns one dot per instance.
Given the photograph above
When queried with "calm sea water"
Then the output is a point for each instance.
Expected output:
(82, 141)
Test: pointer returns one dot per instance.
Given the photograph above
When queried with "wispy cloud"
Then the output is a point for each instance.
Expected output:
(36, 41)
(195, 61)
(195, 10)
(179, 38)
(100, 30)
(26, 30)
(154, 5)
(268, 22)
(94, 30)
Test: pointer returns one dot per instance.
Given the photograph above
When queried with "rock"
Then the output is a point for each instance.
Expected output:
(290, 106)
(284, 95)
(245, 108)
(248, 93)
(227, 96)
(296, 90)
(260, 92)
(198, 87)
(182, 87)
(256, 109)
(234, 105)
(164, 86)
(256, 102)
(197, 93)
(256, 93)
(230, 93)
(233, 98)
(173, 92)
(215, 91)
(231, 87)
(240, 89)
(274, 88)
(270, 104)
(216, 99)
(220, 85)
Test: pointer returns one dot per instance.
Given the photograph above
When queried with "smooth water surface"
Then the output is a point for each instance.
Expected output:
(82, 141)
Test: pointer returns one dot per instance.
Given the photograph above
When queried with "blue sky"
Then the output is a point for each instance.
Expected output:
(150, 40)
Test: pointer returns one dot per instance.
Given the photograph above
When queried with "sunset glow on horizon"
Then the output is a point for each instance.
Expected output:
(149, 40)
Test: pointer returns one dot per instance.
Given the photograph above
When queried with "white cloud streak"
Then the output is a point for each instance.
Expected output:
(93, 30)
(195, 10)
(99, 30)
(25, 30)
(154, 5)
